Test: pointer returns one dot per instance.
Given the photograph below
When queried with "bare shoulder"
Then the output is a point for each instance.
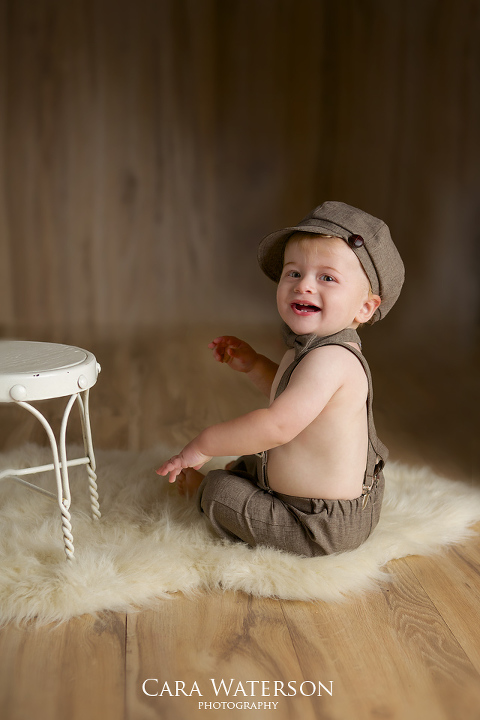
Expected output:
(334, 364)
(331, 356)
(324, 373)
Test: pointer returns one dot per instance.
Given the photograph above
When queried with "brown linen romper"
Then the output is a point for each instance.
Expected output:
(241, 506)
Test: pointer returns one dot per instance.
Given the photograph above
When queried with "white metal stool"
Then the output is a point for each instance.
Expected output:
(31, 371)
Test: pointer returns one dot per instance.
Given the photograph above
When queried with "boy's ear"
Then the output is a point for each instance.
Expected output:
(368, 308)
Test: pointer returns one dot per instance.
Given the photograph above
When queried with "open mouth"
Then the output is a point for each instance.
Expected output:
(304, 309)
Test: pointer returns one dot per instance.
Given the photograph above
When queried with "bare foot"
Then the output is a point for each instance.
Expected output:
(189, 481)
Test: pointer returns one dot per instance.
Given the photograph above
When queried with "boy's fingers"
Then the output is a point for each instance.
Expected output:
(167, 467)
(226, 340)
(173, 474)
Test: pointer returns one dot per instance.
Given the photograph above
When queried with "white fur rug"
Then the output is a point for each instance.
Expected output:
(151, 543)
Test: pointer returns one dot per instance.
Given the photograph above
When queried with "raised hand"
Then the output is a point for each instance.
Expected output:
(238, 354)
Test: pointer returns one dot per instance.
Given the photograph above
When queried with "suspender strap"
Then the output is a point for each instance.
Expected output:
(303, 344)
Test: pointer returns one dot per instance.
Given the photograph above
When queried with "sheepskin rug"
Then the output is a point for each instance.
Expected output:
(151, 543)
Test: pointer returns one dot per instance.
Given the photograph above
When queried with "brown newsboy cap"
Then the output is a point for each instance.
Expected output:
(368, 237)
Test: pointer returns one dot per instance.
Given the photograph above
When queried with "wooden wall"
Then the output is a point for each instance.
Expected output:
(145, 147)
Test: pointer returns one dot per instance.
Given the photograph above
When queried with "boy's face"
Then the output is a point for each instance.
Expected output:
(323, 288)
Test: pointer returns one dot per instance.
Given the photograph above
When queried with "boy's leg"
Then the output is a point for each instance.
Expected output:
(239, 509)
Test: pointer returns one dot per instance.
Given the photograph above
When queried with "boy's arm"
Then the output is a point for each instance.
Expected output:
(240, 356)
(262, 374)
(299, 404)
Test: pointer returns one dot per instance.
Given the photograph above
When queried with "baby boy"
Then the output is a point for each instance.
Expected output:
(309, 477)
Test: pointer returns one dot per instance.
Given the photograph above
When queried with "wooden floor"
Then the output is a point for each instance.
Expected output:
(410, 651)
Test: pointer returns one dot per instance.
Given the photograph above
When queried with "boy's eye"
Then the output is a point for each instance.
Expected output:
(294, 273)
(327, 278)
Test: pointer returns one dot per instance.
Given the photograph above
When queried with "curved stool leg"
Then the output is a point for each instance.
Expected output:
(83, 405)
(61, 476)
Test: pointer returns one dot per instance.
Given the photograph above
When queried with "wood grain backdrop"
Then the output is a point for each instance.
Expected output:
(145, 147)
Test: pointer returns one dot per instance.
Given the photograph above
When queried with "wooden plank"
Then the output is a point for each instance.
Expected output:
(213, 636)
(452, 582)
(389, 654)
(6, 273)
(76, 670)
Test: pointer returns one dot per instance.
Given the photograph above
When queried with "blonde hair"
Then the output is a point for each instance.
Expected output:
(306, 237)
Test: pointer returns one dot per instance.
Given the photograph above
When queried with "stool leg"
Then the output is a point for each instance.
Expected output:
(67, 533)
(83, 404)
(62, 446)
(63, 502)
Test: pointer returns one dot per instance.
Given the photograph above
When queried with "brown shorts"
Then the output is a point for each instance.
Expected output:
(240, 506)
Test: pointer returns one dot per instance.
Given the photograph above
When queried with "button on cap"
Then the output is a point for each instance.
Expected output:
(356, 241)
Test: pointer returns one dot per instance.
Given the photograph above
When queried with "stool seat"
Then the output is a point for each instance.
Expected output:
(32, 371)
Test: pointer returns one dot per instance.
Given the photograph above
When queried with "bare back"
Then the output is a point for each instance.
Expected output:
(328, 458)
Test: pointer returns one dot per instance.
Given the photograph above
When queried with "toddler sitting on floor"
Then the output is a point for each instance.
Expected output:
(309, 477)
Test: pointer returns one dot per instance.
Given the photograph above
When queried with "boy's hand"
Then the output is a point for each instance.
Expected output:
(238, 354)
(188, 458)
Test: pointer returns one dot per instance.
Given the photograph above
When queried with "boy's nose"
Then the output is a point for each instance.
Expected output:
(304, 285)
